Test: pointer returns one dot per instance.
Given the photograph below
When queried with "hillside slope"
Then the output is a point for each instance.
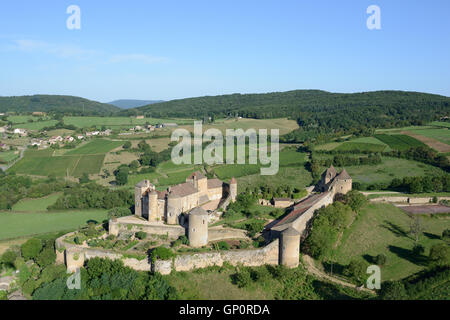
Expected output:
(55, 103)
(317, 112)
(132, 103)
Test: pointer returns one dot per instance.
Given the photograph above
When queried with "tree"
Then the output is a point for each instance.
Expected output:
(418, 250)
(380, 259)
(122, 177)
(416, 228)
(84, 178)
(119, 212)
(8, 258)
(46, 257)
(446, 235)
(127, 145)
(440, 255)
(393, 290)
(31, 249)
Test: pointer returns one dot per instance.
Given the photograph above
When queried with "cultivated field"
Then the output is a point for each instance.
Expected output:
(118, 122)
(399, 141)
(16, 225)
(43, 163)
(97, 146)
(437, 139)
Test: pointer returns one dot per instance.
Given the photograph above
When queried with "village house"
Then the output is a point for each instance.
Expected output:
(55, 140)
(69, 139)
(21, 132)
(93, 133)
(3, 146)
(140, 117)
(169, 125)
(107, 132)
(38, 114)
(3, 129)
(80, 137)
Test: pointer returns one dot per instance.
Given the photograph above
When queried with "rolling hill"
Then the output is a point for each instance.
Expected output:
(132, 103)
(55, 103)
(317, 112)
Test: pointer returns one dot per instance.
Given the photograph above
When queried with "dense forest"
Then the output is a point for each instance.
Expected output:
(317, 112)
(55, 104)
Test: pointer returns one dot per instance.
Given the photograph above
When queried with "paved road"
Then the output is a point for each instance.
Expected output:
(22, 151)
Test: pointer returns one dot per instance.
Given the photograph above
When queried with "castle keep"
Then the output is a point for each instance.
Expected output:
(168, 205)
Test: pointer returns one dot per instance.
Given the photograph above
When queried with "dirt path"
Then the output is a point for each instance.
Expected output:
(432, 143)
(309, 263)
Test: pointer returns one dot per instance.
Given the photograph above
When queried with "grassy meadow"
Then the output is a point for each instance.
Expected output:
(36, 205)
(384, 229)
(16, 225)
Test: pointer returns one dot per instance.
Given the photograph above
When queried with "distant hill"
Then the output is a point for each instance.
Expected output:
(130, 103)
(317, 112)
(54, 103)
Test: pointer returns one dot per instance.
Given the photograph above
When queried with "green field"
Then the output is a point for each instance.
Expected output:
(389, 169)
(441, 124)
(399, 141)
(117, 122)
(361, 146)
(15, 225)
(35, 205)
(383, 228)
(8, 156)
(42, 163)
(97, 146)
(37, 125)
(442, 135)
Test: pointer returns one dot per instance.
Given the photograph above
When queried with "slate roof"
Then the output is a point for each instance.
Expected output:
(182, 190)
(214, 183)
(343, 175)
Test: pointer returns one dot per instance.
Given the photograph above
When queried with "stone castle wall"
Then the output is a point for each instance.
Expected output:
(251, 258)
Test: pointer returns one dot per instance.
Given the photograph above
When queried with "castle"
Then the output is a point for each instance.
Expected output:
(169, 204)
(335, 183)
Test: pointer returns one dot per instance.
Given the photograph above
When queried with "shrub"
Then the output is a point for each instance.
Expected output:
(223, 245)
(46, 257)
(380, 259)
(356, 270)
(141, 235)
(31, 249)
(440, 255)
(446, 235)
(418, 250)
(393, 290)
(8, 258)
(119, 212)
(243, 278)
(162, 253)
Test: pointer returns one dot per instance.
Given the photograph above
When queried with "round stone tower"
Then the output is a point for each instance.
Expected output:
(198, 228)
(139, 190)
(153, 204)
(173, 208)
(233, 189)
(290, 248)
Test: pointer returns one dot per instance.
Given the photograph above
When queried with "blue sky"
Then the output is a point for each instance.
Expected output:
(175, 49)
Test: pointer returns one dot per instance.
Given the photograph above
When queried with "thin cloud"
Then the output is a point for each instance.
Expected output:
(136, 57)
(59, 50)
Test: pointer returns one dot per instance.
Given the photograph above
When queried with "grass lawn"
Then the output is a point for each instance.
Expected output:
(97, 146)
(16, 225)
(35, 205)
(383, 228)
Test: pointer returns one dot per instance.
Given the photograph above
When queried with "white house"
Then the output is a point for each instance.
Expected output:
(69, 139)
(55, 139)
(21, 132)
